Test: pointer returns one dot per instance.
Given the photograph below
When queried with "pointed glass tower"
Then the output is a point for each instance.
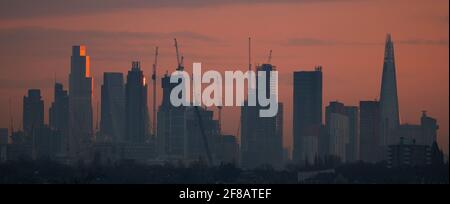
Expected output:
(388, 97)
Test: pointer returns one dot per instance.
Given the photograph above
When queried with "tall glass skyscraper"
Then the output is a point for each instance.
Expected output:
(80, 103)
(388, 98)
(307, 113)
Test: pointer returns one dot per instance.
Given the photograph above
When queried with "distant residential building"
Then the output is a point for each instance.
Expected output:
(369, 121)
(136, 110)
(410, 132)
(307, 112)
(422, 134)
(429, 129)
(112, 122)
(407, 153)
(33, 111)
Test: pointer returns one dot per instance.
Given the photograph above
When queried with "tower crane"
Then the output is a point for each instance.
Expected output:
(179, 59)
(197, 111)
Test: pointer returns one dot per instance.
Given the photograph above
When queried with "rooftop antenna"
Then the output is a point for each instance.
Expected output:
(270, 57)
(155, 64)
(11, 121)
(250, 63)
(249, 54)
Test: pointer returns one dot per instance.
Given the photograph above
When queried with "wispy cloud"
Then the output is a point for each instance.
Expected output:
(326, 42)
(30, 8)
(38, 41)
(424, 42)
(307, 41)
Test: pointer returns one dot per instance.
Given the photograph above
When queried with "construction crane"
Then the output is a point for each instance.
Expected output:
(179, 60)
(155, 64)
(205, 139)
(197, 111)
(270, 57)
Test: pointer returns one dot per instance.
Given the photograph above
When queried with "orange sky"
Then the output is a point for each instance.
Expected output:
(344, 36)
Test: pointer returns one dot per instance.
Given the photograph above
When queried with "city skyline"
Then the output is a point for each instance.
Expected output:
(411, 55)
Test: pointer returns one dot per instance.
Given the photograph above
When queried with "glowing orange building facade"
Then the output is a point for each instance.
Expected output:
(80, 104)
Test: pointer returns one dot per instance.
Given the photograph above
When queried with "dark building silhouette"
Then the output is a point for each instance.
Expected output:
(228, 149)
(194, 146)
(171, 126)
(369, 121)
(408, 153)
(46, 143)
(422, 134)
(307, 113)
(338, 125)
(136, 111)
(429, 129)
(33, 111)
(3, 136)
(21, 146)
(262, 137)
(112, 122)
(389, 110)
(80, 104)
(352, 148)
(437, 156)
(59, 116)
(3, 144)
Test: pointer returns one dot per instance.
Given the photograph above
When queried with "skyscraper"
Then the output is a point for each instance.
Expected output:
(262, 137)
(80, 103)
(112, 123)
(59, 116)
(307, 113)
(33, 111)
(388, 98)
(369, 131)
(338, 125)
(136, 110)
(171, 130)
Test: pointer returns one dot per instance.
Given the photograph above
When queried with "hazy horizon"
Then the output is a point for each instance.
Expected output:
(346, 37)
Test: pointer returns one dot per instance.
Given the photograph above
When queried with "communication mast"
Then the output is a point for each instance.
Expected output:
(155, 64)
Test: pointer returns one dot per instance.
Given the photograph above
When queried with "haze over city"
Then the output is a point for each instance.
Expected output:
(345, 37)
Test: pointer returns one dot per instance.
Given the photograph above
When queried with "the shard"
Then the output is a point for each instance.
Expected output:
(388, 97)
